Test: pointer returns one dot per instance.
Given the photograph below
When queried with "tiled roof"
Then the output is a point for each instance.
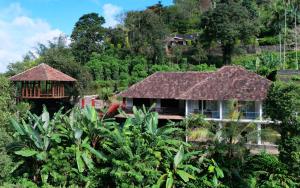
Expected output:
(164, 85)
(229, 82)
(42, 72)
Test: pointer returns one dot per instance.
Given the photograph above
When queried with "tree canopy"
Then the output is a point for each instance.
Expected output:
(231, 21)
(87, 36)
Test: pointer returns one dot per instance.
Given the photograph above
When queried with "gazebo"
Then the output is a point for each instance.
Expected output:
(41, 82)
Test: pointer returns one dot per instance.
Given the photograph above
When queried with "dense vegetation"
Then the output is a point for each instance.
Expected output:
(78, 149)
(107, 60)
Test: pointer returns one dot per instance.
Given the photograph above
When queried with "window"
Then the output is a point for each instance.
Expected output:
(211, 109)
(247, 109)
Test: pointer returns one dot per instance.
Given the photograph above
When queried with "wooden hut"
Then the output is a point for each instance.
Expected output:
(41, 82)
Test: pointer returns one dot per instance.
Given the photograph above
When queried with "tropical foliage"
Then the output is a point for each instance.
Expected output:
(78, 148)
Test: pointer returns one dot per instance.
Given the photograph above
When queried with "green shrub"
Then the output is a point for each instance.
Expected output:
(269, 40)
(265, 170)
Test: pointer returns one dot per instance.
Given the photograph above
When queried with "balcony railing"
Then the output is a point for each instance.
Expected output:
(213, 114)
(216, 114)
(243, 115)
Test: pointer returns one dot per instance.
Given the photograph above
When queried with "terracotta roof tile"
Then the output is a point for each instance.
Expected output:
(229, 82)
(164, 85)
(42, 72)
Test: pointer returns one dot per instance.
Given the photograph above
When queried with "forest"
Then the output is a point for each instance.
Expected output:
(77, 148)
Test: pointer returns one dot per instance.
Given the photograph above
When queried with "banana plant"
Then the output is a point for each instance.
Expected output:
(84, 126)
(214, 173)
(178, 172)
(38, 133)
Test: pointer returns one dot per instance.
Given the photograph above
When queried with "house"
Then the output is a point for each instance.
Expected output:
(179, 40)
(289, 75)
(41, 82)
(179, 94)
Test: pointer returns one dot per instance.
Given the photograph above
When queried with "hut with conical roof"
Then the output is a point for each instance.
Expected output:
(41, 82)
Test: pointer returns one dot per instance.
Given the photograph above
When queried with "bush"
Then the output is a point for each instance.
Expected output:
(269, 40)
(265, 170)
(81, 149)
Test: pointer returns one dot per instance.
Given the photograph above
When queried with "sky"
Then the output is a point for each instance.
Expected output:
(25, 23)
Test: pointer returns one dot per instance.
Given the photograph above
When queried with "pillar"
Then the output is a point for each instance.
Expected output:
(23, 89)
(82, 102)
(186, 115)
(260, 111)
(39, 89)
(220, 110)
(93, 102)
(186, 108)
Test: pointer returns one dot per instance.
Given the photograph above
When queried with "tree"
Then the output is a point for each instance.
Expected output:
(87, 37)
(6, 163)
(199, 54)
(229, 22)
(18, 67)
(285, 98)
(227, 143)
(183, 17)
(146, 34)
(265, 170)
(60, 56)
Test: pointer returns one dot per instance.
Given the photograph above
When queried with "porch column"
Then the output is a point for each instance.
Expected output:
(221, 117)
(186, 115)
(221, 110)
(260, 111)
(258, 134)
(186, 108)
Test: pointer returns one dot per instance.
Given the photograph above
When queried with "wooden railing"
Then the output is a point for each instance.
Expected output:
(37, 90)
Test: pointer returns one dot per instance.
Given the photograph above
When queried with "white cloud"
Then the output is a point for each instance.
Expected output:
(110, 13)
(20, 33)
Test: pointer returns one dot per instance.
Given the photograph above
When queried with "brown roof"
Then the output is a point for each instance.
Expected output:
(42, 72)
(164, 85)
(229, 82)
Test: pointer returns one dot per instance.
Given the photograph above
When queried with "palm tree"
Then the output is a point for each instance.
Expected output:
(227, 144)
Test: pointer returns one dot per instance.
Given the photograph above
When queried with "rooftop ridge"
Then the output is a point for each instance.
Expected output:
(24, 72)
(183, 72)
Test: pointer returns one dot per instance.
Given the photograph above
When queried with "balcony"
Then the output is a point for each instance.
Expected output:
(216, 114)
(243, 115)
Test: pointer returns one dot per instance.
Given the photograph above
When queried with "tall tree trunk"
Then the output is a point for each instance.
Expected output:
(227, 53)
